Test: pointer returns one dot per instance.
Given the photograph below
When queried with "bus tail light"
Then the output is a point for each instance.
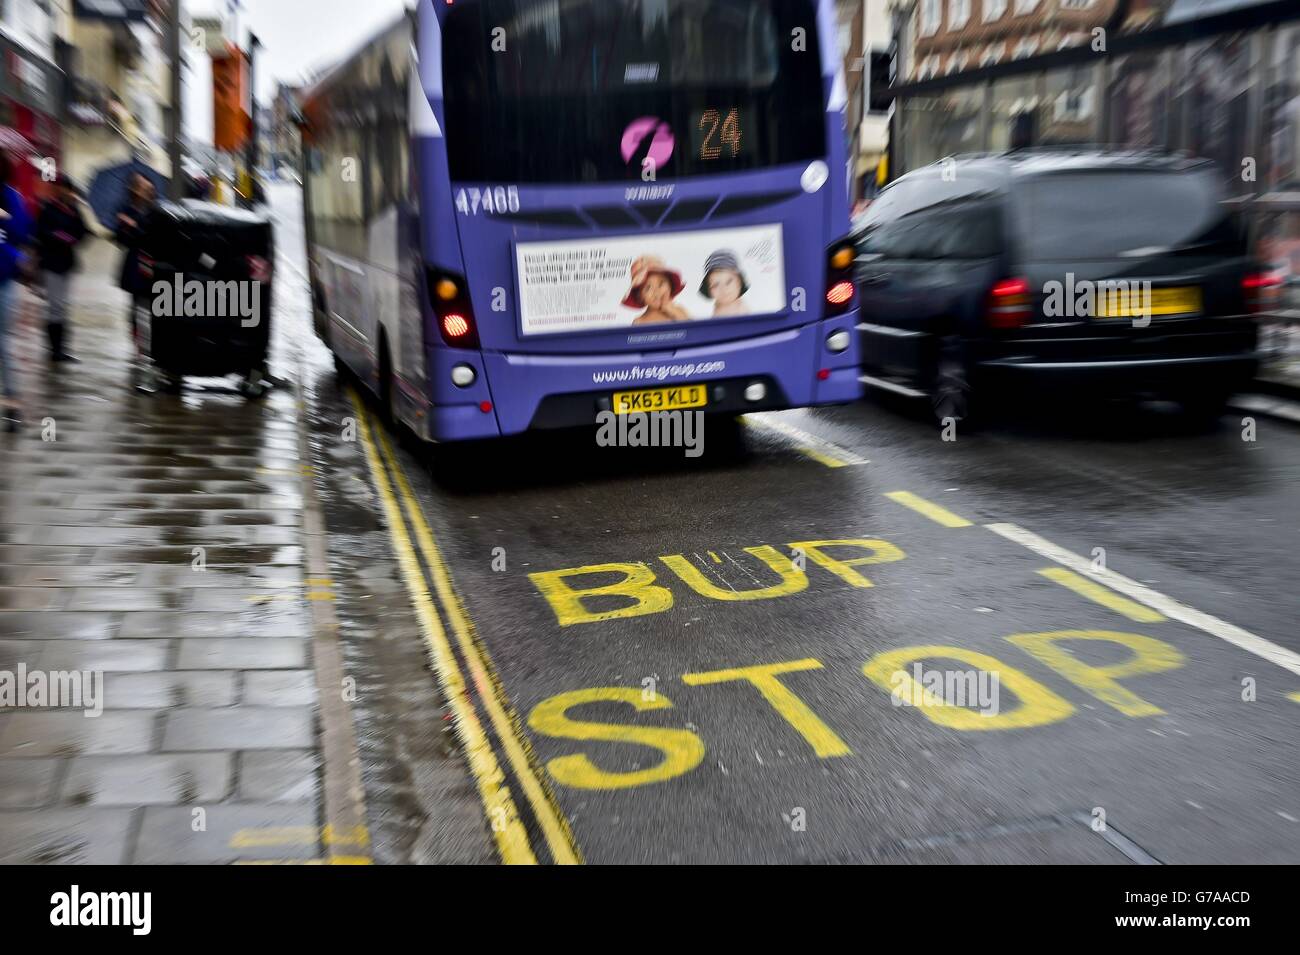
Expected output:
(1010, 304)
(1262, 291)
(840, 290)
(455, 327)
(450, 300)
(259, 268)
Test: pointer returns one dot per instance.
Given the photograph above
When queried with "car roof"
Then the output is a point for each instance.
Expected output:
(998, 170)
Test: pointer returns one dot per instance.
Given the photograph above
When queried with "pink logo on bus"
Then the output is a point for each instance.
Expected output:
(661, 145)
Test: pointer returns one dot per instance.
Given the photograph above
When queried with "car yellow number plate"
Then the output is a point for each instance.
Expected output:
(660, 399)
(1133, 303)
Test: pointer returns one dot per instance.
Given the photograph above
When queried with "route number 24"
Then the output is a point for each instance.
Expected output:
(729, 134)
(498, 199)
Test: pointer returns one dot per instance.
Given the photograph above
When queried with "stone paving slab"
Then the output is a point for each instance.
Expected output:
(162, 690)
(28, 783)
(147, 780)
(237, 727)
(65, 837)
(279, 688)
(220, 556)
(272, 619)
(29, 733)
(231, 833)
(281, 776)
(269, 653)
(74, 626)
(107, 656)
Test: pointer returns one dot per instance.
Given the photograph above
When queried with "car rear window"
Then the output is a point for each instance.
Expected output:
(962, 228)
(1123, 213)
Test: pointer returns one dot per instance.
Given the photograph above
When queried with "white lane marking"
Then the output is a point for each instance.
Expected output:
(886, 385)
(1260, 404)
(1171, 608)
(828, 448)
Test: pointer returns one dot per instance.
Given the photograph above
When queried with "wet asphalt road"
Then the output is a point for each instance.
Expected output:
(1138, 737)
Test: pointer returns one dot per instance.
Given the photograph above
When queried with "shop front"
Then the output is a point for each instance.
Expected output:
(30, 93)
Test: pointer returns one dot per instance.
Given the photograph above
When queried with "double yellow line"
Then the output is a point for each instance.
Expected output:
(483, 690)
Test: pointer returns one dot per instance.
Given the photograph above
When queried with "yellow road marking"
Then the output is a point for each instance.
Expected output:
(1102, 595)
(503, 817)
(332, 860)
(274, 836)
(297, 836)
(796, 712)
(1294, 697)
(1149, 656)
(940, 515)
(554, 826)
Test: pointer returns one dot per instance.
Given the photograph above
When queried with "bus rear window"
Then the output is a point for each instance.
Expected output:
(572, 91)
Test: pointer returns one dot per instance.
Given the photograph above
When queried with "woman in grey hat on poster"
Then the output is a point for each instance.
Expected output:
(725, 284)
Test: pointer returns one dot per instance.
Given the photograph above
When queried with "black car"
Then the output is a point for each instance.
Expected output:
(1096, 273)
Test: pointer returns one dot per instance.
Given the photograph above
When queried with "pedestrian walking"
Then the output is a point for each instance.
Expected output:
(60, 228)
(131, 229)
(15, 228)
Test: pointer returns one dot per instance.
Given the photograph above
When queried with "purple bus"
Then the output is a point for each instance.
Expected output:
(522, 213)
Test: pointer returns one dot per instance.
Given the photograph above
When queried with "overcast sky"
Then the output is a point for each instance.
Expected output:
(296, 35)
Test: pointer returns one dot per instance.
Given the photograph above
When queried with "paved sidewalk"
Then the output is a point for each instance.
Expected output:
(158, 540)
(1281, 373)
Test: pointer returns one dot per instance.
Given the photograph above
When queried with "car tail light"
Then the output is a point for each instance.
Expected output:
(1010, 305)
(840, 290)
(450, 300)
(259, 268)
(1262, 291)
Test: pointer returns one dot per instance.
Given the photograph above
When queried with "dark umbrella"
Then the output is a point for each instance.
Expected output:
(108, 190)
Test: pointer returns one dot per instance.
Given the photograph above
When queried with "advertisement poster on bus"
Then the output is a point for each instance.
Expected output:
(576, 286)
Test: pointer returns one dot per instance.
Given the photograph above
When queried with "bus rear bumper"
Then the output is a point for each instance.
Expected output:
(795, 368)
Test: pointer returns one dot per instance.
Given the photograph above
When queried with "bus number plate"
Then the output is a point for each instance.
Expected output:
(660, 399)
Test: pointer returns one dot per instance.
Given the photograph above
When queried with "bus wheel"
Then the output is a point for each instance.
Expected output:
(387, 391)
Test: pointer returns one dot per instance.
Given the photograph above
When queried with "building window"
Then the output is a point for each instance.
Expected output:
(1076, 4)
(1068, 112)
(929, 67)
(993, 54)
(1281, 166)
(993, 10)
(1139, 109)
(1026, 47)
(931, 16)
(958, 13)
(947, 123)
(1025, 6)
(957, 62)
